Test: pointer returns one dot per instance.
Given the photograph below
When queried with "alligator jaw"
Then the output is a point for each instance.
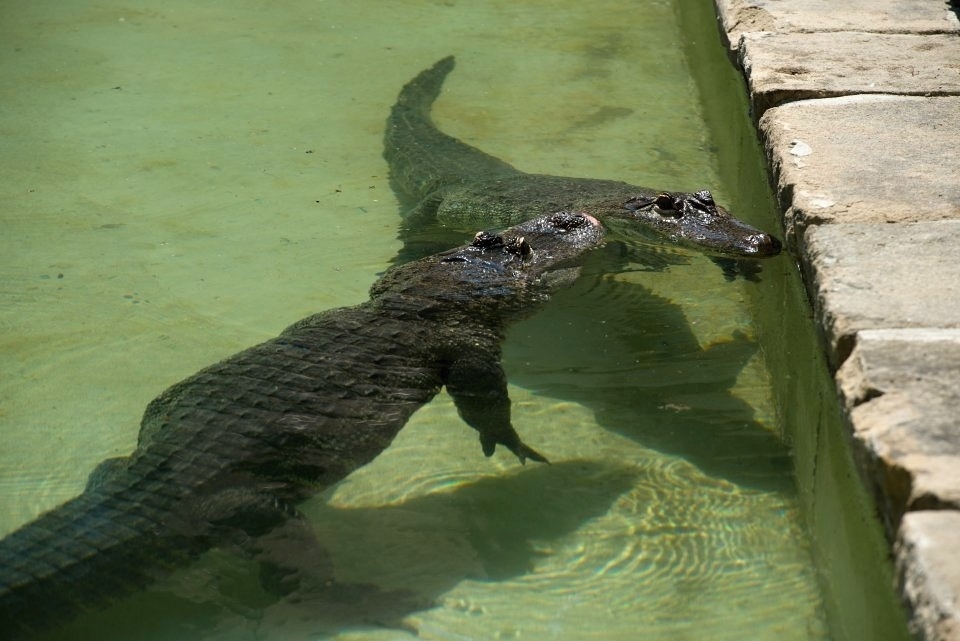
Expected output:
(695, 220)
(746, 242)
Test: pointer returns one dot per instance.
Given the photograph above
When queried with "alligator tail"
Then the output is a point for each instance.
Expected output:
(91, 550)
(419, 94)
(421, 157)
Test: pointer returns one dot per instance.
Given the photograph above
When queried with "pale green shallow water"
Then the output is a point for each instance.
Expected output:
(183, 180)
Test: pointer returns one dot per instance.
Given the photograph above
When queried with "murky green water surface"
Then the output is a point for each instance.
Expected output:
(182, 180)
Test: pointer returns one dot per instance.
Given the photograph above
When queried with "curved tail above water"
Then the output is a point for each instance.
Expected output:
(421, 157)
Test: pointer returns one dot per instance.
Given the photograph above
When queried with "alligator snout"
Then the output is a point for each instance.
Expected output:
(763, 245)
(697, 221)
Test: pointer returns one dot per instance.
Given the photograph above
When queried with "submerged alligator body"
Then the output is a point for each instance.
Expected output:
(442, 182)
(225, 456)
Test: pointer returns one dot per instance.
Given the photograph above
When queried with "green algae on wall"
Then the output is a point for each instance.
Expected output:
(846, 537)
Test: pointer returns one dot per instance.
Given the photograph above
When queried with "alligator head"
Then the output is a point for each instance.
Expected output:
(697, 221)
(498, 273)
(539, 250)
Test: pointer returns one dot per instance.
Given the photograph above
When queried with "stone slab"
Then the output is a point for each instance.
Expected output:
(866, 276)
(867, 158)
(786, 67)
(900, 392)
(928, 571)
(878, 16)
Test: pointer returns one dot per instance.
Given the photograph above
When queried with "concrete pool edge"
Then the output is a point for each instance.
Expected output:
(856, 109)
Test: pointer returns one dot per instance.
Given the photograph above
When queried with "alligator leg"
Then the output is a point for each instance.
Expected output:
(478, 386)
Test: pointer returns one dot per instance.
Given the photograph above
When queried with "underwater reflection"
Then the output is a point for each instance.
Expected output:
(491, 529)
(632, 358)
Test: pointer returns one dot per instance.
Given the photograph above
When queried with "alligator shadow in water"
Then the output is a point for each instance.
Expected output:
(429, 543)
(631, 357)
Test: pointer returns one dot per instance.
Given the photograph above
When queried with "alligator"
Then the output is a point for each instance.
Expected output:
(225, 456)
(445, 185)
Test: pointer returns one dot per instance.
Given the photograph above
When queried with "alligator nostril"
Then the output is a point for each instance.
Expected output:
(765, 244)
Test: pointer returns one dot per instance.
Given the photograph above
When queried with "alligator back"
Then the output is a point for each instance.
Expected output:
(225, 455)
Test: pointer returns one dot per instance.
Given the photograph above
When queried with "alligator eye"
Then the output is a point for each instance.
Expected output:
(667, 206)
(485, 239)
(519, 246)
(664, 201)
(705, 197)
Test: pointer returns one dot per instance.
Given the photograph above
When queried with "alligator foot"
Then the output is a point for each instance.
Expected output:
(511, 440)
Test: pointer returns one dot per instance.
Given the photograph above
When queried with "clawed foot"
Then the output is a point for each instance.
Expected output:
(524, 452)
(512, 442)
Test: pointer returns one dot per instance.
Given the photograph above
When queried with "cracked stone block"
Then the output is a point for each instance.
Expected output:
(870, 158)
(900, 393)
(868, 276)
(928, 573)
(786, 67)
(877, 16)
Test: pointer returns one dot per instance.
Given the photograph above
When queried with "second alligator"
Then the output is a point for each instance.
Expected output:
(447, 186)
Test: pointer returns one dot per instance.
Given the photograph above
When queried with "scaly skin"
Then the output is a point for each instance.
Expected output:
(442, 182)
(225, 455)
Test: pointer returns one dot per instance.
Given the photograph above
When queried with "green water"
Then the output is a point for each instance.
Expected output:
(183, 180)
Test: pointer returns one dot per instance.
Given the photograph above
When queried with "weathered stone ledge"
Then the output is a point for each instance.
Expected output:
(865, 158)
(857, 107)
(824, 16)
(786, 67)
